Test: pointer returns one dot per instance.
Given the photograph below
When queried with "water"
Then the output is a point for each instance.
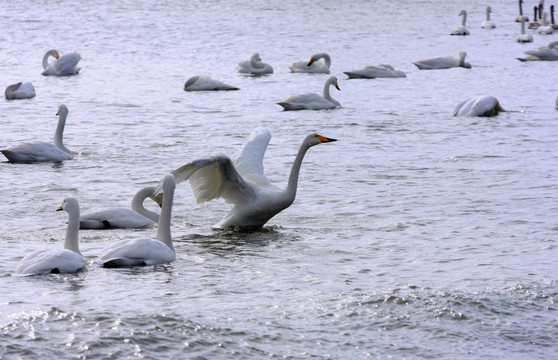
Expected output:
(416, 235)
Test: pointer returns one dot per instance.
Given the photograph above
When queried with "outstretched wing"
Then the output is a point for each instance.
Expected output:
(249, 161)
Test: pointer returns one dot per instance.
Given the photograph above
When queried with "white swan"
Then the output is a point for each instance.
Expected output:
(444, 62)
(372, 72)
(205, 83)
(521, 17)
(462, 29)
(523, 37)
(313, 101)
(478, 106)
(314, 65)
(545, 53)
(63, 65)
(254, 66)
(243, 183)
(65, 260)
(488, 24)
(122, 218)
(42, 151)
(20, 91)
(144, 251)
(545, 28)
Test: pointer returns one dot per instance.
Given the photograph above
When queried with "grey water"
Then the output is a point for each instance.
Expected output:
(417, 235)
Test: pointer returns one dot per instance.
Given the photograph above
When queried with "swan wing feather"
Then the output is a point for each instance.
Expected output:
(48, 261)
(249, 161)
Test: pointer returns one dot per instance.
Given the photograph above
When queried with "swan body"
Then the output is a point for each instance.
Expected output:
(20, 91)
(444, 62)
(314, 65)
(65, 260)
(488, 23)
(478, 106)
(121, 218)
(254, 66)
(372, 72)
(545, 53)
(205, 83)
(63, 65)
(523, 37)
(521, 17)
(242, 182)
(545, 28)
(144, 251)
(461, 29)
(313, 101)
(42, 151)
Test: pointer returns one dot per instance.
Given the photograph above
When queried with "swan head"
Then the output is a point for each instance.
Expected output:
(62, 110)
(462, 12)
(317, 57)
(333, 81)
(315, 139)
(69, 204)
(53, 53)
(256, 57)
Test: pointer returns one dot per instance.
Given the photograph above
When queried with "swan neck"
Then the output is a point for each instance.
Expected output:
(60, 131)
(522, 27)
(163, 229)
(295, 171)
(45, 59)
(72, 232)
(139, 198)
(464, 21)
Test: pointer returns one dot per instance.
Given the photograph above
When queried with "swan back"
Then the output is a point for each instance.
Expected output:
(20, 91)
(478, 106)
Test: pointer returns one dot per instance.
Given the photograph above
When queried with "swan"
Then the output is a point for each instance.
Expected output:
(65, 260)
(145, 251)
(545, 28)
(478, 106)
(523, 37)
(444, 62)
(545, 53)
(63, 65)
(122, 218)
(254, 66)
(462, 29)
(42, 151)
(535, 24)
(205, 83)
(552, 21)
(313, 101)
(20, 91)
(371, 72)
(488, 24)
(314, 65)
(521, 17)
(243, 183)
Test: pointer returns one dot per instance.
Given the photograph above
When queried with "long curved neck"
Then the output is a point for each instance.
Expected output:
(464, 21)
(290, 192)
(45, 59)
(163, 230)
(327, 59)
(137, 203)
(60, 131)
(327, 95)
(72, 232)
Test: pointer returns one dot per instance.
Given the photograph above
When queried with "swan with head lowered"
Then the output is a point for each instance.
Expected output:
(121, 218)
(478, 106)
(242, 182)
(56, 261)
(488, 23)
(545, 53)
(64, 65)
(145, 251)
(443, 62)
(254, 66)
(206, 83)
(42, 151)
(372, 72)
(313, 101)
(20, 91)
(461, 29)
(314, 65)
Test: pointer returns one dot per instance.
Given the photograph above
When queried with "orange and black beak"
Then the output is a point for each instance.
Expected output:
(325, 139)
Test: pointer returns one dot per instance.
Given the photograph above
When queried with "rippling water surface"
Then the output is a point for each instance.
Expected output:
(416, 235)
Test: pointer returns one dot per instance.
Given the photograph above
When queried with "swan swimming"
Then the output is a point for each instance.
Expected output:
(20, 91)
(478, 106)
(42, 151)
(545, 28)
(488, 24)
(313, 101)
(444, 62)
(145, 251)
(242, 182)
(314, 65)
(523, 37)
(545, 53)
(521, 17)
(254, 66)
(121, 218)
(63, 65)
(56, 261)
(205, 83)
(372, 72)
(462, 29)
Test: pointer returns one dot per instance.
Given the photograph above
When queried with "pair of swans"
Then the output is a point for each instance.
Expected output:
(313, 101)
(372, 72)
(124, 253)
(488, 23)
(461, 29)
(545, 53)
(314, 65)
(444, 62)
(254, 66)
(478, 106)
(20, 91)
(242, 181)
(65, 65)
(42, 151)
(206, 83)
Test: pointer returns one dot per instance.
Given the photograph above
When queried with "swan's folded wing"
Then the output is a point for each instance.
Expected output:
(67, 63)
(249, 161)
